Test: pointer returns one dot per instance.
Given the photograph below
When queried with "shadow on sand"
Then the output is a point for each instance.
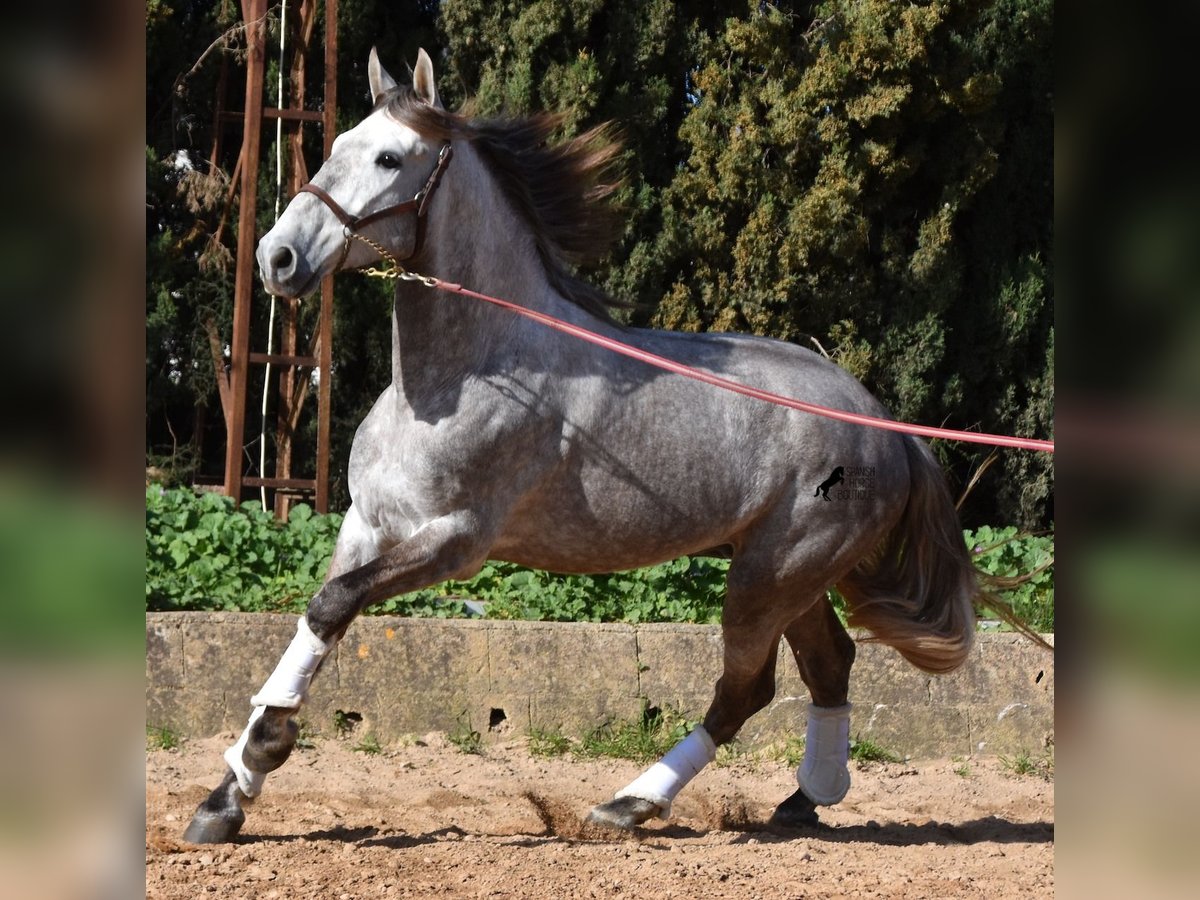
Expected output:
(990, 829)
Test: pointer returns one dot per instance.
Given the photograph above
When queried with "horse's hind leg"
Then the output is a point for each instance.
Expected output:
(271, 733)
(751, 637)
(824, 653)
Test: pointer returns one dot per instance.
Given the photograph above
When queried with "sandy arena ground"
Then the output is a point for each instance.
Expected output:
(427, 820)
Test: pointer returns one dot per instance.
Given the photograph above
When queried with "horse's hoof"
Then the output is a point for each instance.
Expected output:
(213, 828)
(797, 811)
(625, 813)
(220, 817)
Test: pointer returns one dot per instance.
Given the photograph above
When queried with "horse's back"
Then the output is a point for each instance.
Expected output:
(751, 427)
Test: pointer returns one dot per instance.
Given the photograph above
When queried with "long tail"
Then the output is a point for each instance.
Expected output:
(919, 591)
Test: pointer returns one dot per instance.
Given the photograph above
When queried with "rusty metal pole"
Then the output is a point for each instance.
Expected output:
(254, 12)
(324, 390)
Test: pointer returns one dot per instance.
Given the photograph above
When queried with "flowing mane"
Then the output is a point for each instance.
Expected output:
(563, 190)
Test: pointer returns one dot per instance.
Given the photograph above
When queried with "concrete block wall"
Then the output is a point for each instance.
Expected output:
(411, 676)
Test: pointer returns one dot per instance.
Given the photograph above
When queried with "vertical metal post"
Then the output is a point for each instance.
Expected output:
(325, 388)
(254, 11)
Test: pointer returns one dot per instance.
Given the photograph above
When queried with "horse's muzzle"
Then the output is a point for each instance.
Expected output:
(283, 270)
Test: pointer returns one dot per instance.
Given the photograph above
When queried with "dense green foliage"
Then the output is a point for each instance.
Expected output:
(688, 589)
(873, 175)
(1007, 556)
(203, 552)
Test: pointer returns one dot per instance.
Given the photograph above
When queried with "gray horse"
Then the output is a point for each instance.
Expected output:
(501, 439)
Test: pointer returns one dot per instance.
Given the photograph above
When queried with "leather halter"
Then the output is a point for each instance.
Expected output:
(418, 204)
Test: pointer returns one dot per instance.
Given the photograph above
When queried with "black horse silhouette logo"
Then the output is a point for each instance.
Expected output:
(835, 477)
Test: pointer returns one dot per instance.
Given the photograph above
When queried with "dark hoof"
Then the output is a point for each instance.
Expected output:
(797, 811)
(625, 813)
(219, 818)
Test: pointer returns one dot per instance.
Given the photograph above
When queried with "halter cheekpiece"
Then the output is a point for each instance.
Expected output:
(418, 204)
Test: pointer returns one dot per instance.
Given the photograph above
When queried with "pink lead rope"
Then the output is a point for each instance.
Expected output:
(669, 365)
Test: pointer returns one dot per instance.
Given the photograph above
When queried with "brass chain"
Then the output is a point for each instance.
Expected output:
(395, 271)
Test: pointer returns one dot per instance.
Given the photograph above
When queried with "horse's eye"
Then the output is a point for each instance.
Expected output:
(388, 160)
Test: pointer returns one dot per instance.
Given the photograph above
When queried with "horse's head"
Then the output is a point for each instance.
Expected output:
(374, 185)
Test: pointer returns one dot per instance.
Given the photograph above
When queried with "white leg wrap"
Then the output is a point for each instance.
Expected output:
(250, 782)
(824, 776)
(288, 684)
(285, 689)
(662, 781)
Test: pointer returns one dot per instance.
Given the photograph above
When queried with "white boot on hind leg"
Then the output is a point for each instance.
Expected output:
(662, 781)
(824, 776)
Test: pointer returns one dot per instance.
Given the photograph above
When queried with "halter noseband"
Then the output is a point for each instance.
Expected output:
(419, 204)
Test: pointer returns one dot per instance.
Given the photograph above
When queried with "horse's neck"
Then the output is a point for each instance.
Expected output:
(473, 238)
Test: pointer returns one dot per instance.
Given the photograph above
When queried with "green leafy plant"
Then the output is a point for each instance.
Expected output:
(688, 589)
(790, 752)
(731, 753)
(547, 742)
(1023, 763)
(466, 738)
(369, 745)
(642, 739)
(1022, 566)
(161, 738)
(204, 552)
(866, 750)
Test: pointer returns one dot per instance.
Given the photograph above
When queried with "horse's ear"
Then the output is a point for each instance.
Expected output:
(379, 79)
(423, 84)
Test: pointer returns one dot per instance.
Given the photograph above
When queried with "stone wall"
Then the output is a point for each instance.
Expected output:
(410, 676)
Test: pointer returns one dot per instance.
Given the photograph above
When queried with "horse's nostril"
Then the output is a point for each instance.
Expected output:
(282, 259)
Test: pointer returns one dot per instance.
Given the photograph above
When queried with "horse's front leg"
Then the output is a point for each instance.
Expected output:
(444, 548)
